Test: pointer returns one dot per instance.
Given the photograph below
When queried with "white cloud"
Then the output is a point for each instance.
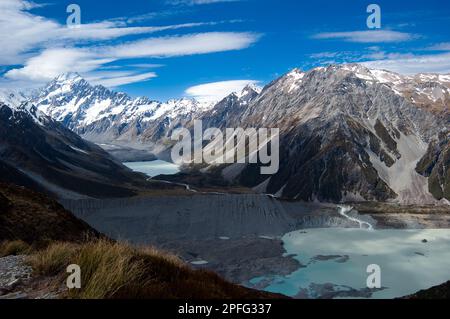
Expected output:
(21, 31)
(190, 44)
(370, 36)
(110, 80)
(52, 62)
(437, 63)
(216, 91)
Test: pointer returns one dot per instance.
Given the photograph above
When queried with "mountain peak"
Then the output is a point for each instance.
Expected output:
(12, 98)
(296, 71)
(69, 76)
(250, 88)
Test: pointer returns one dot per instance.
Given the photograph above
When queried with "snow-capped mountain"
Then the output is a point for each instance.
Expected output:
(430, 91)
(102, 115)
(12, 98)
(223, 113)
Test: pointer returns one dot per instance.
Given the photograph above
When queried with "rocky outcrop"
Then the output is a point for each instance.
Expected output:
(436, 166)
(13, 272)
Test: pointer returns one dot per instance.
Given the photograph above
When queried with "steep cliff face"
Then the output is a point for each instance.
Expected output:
(436, 166)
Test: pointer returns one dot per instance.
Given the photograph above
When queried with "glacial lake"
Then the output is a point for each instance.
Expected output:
(154, 168)
(335, 262)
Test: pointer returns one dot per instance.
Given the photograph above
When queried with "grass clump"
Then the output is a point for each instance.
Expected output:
(117, 270)
(15, 247)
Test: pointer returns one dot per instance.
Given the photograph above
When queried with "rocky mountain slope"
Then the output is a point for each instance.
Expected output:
(345, 135)
(38, 152)
(346, 132)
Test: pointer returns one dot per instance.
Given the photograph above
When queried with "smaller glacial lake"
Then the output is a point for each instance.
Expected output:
(154, 168)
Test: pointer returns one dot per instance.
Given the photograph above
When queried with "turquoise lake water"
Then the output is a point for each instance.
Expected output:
(336, 262)
(154, 168)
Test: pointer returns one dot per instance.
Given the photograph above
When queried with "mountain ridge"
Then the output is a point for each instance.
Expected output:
(330, 119)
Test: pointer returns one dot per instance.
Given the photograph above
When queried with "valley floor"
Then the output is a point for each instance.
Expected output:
(238, 236)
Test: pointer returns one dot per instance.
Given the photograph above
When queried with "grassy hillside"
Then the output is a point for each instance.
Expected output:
(117, 270)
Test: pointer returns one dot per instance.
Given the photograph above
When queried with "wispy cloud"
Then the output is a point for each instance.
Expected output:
(197, 2)
(445, 46)
(52, 62)
(112, 80)
(217, 90)
(378, 58)
(146, 65)
(152, 15)
(22, 31)
(190, 44)
(369, 36)
(44, 48)
(435, 63)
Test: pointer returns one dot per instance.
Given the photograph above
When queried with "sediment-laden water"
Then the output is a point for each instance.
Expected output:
(335, 262)
(154, 168)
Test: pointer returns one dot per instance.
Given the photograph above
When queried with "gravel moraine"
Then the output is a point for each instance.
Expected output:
(13, 271)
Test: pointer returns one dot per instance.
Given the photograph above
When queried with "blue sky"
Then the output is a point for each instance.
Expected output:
(167, 48)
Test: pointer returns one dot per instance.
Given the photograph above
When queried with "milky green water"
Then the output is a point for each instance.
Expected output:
(154, 168)
(408, 263)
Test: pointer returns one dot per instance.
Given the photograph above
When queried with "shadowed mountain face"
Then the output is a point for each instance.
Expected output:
(346, 132)
(436, 166)
(34, 218)
(38, 152)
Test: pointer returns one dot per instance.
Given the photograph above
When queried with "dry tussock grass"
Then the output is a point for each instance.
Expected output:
(118, 270)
